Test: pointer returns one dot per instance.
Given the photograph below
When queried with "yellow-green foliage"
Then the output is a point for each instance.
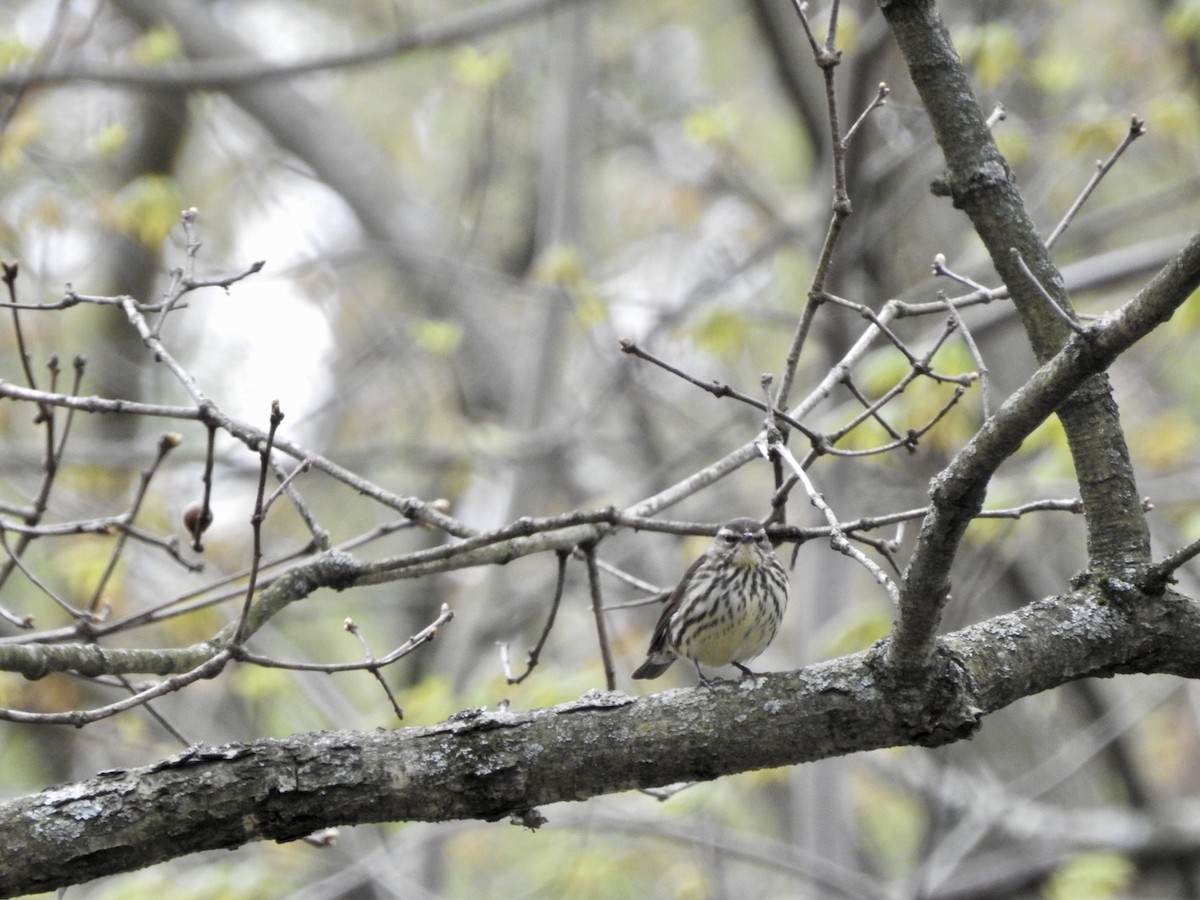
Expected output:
(892, 822)
(1091, 876)
(146, 209)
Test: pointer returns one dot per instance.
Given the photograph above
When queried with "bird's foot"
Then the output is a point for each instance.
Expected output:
(749, 673)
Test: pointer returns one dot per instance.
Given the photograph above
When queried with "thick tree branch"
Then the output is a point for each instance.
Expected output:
(496, 765)
(958, 492)
(205, 75)
(979, 180)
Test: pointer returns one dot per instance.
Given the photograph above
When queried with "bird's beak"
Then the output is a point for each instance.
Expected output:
(743, 554)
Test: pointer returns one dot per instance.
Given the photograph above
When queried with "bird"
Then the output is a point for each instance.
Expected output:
(726, 608)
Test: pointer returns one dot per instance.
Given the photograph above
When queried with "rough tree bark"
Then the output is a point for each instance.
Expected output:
(1119, 617)
(494, 765)
(490, 765)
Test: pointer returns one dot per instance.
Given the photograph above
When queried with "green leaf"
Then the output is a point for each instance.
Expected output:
(993, 51)
(560, 265)
(110, 139)
(478, 70)
(892, 823)
(440, 337)
(1091, 876)
(723, 333)
(713, 125)
(158, 45)
(860, 629)
(1183, 21)
(146, 209)
(13, 52)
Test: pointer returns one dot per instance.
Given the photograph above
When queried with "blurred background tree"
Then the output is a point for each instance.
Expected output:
(462, 208)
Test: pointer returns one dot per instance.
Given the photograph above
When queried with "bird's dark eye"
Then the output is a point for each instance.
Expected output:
(730, 538)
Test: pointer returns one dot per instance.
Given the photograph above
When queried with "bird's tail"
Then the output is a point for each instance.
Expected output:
(653, 666)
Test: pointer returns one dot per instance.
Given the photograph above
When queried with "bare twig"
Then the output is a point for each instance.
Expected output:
(320, 535)
(27, 621)
(837, 537)
(1162, 572)
(166, 444)
(870, 315)
(870, 410)
(715, 388)
(610, 674)
(285, 486)
(204, 515)
(827, 57)
(372, 666)
(256, 520)
(9, 272)
(183, 279)
(1067, 317)
(980, 366)
(939, 269)
(531, 660)
(210, 668)
(24, 622)
(880, 99)
(1137, 128)
(153, 713)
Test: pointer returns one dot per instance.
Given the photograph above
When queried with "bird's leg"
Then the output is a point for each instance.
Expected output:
(748, 673)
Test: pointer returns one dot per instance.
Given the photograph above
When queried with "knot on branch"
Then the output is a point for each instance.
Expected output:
(989, 176)
(335, 569)
(933, 705)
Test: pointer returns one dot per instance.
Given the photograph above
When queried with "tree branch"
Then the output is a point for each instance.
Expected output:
(207, 75)
(497, 765)
(958, 492)
(979, 180)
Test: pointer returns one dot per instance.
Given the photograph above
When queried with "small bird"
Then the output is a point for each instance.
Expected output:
(726, 608)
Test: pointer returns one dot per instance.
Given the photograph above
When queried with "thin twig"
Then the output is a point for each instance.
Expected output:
(1162, 572)
(229, 72)
(939, 269)
(715, 388)
(610, 674)
(871, 410)
(285, 486)
(9, 272)
(775, 435)
(827, 58)
(911, 438)
(166, 444)
(426, 512)
(1067, 318)
(424, 636)
(256, 520)
(881, 96)
(531, 660)
(802, 12)
(320, 535)
(980, 366)
(871, 316)
(183, 279)
(205, 513)
(1137, 128)
(27, 621)
(210, 668)
(837, 537)
(153, 713)
(24, 622)
(372, 666)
